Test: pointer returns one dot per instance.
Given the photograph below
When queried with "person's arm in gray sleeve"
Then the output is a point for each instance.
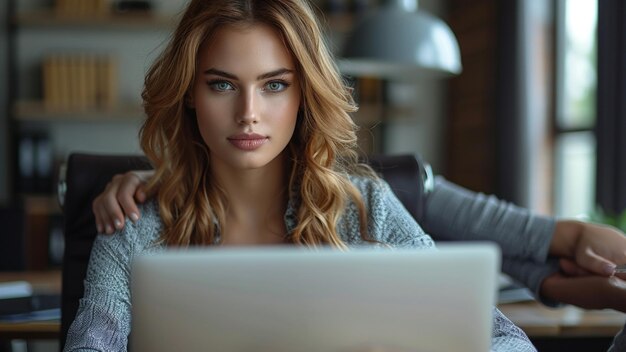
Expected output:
(454, 213)
(531, 275)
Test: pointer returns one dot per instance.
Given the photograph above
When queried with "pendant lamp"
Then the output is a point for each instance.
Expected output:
(398, 41)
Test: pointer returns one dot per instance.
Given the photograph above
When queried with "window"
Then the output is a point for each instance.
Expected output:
(575, 107)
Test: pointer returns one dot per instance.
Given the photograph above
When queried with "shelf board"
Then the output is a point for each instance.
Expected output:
(34, 111)
(39, 204)
(50, 19)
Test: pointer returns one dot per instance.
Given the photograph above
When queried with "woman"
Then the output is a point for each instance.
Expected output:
(248, 130)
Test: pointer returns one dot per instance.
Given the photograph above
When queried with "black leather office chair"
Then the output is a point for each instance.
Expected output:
(86, 176)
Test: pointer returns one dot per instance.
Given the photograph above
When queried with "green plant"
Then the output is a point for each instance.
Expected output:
(617, 220)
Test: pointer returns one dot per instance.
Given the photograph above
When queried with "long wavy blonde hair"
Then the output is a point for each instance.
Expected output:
(322, 150)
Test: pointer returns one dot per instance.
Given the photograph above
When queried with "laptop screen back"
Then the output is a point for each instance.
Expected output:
(292, 299)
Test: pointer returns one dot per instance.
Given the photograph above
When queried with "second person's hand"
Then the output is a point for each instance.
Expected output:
(120, 199)
(589, 292)
(586, 248)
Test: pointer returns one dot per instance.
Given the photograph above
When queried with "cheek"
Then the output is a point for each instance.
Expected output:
(211, 114)
(288, 110)
(210, 121)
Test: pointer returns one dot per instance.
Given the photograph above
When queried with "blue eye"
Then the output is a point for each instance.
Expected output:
(221, 86)
(276, 86)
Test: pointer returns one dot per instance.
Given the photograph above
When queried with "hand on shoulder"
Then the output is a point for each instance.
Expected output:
(119, 199)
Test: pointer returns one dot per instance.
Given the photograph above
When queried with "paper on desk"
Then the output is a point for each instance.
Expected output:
(14, 289)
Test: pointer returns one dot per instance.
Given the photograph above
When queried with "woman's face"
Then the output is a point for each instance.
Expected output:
(246, 96)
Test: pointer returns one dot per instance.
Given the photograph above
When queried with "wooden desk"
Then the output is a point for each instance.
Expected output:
(535, 319)
(539, 321)
(42, 282)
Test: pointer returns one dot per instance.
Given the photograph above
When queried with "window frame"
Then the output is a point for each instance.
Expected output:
(561, 131)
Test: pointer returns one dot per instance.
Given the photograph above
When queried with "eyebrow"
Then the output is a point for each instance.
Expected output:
(278, 72)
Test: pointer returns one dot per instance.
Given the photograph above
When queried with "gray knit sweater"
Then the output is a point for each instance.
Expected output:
(103, 319)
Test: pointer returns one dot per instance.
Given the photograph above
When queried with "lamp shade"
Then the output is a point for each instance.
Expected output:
(394, 42)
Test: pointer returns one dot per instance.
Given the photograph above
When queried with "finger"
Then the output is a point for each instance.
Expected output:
(125, 195)
(109, 208)
(570, 268)
(114, 213)
(140, 195)
(100, 212)
(591, 261)
(99, 219)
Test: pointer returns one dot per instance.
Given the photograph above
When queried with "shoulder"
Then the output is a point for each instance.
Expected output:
(149, 226)
(388, 220)
(111, 255)
(371, 188)
(135, 237)
(377, 195)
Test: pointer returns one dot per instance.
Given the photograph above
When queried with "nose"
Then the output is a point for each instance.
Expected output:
(249, 110)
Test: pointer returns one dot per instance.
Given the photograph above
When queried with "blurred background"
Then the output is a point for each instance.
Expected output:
(536, 116)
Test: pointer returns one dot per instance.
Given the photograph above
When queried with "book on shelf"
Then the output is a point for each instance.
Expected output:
(107, 80)
(82, 8)
(79, 81)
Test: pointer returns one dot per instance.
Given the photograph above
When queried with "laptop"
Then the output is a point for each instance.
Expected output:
(287, 299)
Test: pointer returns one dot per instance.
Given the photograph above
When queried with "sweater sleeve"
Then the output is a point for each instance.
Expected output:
(507, 336)
(531, 275)
(102, 322)
(454, 213)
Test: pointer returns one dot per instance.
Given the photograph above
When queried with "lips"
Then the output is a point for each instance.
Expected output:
(248, 141)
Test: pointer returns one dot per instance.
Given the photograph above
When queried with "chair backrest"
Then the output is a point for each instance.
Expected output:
(88, 174)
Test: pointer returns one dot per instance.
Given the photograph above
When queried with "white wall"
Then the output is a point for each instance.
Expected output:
(424, 132)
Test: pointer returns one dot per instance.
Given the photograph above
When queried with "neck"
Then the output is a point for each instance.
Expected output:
(256, 203)
(255, 195)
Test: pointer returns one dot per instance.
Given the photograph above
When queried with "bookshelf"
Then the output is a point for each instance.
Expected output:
(55, 126)
(76, 63)
(75, 78)
(78, 84)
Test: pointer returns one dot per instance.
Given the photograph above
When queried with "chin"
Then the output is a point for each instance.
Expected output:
(252, 162)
